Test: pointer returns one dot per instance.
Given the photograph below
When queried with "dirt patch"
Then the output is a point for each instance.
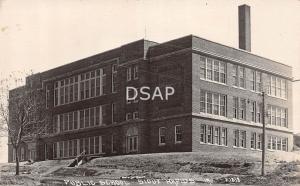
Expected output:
(73, 172)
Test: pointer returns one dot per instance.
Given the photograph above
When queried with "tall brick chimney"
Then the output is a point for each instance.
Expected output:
(244, 28)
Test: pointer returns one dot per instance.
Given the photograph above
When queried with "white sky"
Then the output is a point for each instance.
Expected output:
(43, 34)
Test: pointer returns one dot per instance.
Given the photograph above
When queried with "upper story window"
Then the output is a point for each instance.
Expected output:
(255, 81)
(129, 116)
(136, 115)
(239, 76)
(128, 72)
(212, 69)
(47, 96)
(135, 72)
(79, 119)
(114, 113)
(114, 78)
(277, 87)
(213, 103)
(239, 108)
(80, 87)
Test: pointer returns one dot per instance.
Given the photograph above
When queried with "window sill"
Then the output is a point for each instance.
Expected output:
(255, 149)
(276, 97)
(211, 81)
(178, 142)
(239, 147)
(161, 144)
(202, 143)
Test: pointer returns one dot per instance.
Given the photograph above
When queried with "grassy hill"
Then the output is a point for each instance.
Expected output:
(165, 168)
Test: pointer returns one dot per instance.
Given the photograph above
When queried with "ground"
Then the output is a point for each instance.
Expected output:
(189, 168)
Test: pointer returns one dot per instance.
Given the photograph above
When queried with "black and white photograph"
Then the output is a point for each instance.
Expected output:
(149, 92)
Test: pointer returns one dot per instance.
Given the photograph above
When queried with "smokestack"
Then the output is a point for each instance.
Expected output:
(244, 28)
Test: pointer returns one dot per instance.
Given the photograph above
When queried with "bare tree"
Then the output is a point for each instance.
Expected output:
(22, 114)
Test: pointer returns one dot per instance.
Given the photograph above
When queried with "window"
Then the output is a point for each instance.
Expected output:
(258, 113)
(114, 143)
(128, 116)
(242, 81)
(162, 135)
(284, 144)
(62, 93)
(210, 130)
(128, 73)
(202, 67)
(71, 148)
(92, 116)
(56, 123)
(243, 139)
(224, 137)
(97, 142)
(212, 69)
(242, 110)
(132, 144)
(136, 115)
(212, 103)
(66, 121)
(277, 116)
(213, 135)
(76, 88)
(113, 112)
(54, 146)
(255, 80)
(253, 140)
(71, 120)
(92, 145)
(83, 86)
(47, 96)
(239, 76)
(86, 118)
(236, 138)
(277, 143)
(239, 138)
(66, 91)
(114, 78)
(235, 75)
(252, 80)
(258, 82)
(61, 122)
(75, 120)
(81, 145)
(259, 141)
(253, 110)
(277, 87)
(235, 107)
(239, 108)
(203, 133)
(135, 71)
(178, 133)
(87, 145)
(65, 151)
(55, 93)
(217, 136)
(61, 149)
(75, 147)
(98, 119)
